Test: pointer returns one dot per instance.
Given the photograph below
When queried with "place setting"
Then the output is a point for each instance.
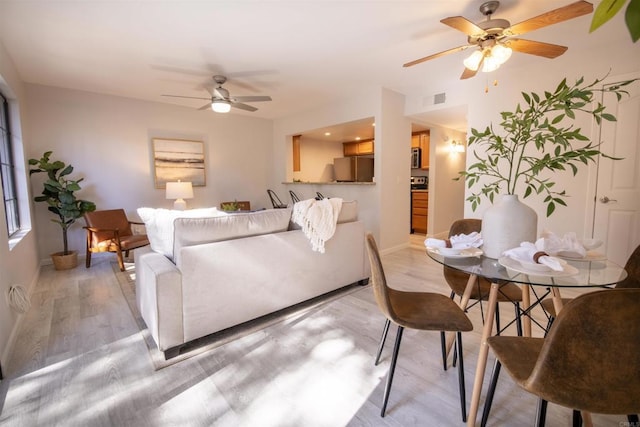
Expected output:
(458, 246)
(551, 255)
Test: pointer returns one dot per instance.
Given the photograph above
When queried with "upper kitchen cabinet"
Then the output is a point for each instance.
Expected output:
(421, 140)
(358, 148)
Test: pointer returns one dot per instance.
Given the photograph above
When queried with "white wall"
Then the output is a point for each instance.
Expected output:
(316, 160)
(20, 264)
(393, 173)
(108, 141)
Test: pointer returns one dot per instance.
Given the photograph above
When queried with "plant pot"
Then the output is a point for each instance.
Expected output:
(506, 224)
(65, 262)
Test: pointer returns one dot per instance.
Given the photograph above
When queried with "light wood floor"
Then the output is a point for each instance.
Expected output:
(80, 360)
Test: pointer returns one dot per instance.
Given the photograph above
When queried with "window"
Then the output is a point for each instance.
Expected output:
(7, 170)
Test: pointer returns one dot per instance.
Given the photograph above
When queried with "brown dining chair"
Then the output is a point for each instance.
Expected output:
(457, 280)
(110, 231)
(425, 311)
(632, 280)
(589, 361)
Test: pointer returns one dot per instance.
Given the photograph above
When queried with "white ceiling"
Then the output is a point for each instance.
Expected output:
(304, 54)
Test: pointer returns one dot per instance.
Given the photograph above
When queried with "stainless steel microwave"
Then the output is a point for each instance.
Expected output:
(415, 158)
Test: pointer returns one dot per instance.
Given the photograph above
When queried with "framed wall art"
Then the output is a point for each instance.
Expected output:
(178, 159)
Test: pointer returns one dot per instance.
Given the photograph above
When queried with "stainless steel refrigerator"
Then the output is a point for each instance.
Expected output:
(353, 169)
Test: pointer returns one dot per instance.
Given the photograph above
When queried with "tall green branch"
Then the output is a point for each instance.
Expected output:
(538, 136)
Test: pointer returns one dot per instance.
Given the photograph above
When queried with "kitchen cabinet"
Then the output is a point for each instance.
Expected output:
(358, 148)
(419, 210)
(421, 140)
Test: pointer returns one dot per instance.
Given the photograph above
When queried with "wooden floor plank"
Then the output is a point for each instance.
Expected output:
(79, 359)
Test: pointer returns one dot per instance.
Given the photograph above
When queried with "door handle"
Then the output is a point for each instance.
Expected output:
(605, 199)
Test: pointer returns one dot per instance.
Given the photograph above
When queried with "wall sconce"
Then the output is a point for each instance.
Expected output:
(456, 147)
(179, 191)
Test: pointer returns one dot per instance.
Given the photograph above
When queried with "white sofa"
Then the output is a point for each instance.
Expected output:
(230, 269)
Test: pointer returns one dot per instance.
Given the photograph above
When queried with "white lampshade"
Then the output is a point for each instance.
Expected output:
(473, 61)
(501, 53)
(220, 106)
(179, 191)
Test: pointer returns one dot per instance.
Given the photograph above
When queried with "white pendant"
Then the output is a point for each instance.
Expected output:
(506, 224)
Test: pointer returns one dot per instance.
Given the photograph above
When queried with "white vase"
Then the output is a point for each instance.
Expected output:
(506, 224)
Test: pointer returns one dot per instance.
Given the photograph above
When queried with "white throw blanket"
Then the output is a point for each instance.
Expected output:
(318, 219)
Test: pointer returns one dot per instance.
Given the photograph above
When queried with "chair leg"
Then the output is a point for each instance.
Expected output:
(518, 319)
(392, 369)
(498, 319)
(577, 418)
(455, 355)
(551, 319)
(443, 347)
(463, 396)
(120, 260)
(382, 340)
(541, 413)
(87, 262)
(492, 389)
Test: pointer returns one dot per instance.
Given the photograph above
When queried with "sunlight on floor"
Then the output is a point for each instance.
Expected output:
(315, 375)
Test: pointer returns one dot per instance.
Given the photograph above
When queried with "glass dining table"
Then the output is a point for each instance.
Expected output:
(593, 271)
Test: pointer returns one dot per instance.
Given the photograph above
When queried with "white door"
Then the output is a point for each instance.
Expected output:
(617, 200)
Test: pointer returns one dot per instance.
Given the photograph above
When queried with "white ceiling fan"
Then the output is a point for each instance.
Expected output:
(221, 101)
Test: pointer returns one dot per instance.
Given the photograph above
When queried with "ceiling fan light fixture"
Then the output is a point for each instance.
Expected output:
(501, 53)
(220, 106)
(497, 55)
(473, 61)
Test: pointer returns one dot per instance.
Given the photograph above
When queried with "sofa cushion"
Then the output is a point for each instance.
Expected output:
(159, 225)
(227, 226)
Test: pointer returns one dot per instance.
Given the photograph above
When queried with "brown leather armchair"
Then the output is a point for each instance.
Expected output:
(110, 231)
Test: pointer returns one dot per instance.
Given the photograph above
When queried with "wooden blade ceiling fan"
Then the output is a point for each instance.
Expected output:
(494, 37)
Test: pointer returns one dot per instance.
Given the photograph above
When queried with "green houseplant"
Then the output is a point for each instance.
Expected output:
(535, 141)
(58, 193)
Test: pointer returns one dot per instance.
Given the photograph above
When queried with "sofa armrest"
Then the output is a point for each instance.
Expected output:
(159, 297)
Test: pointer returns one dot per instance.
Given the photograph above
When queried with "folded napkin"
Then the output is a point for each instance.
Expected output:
(459, 241)
(529, 252)
(567, 245)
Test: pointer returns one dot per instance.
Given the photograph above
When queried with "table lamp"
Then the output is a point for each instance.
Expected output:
(179, 191)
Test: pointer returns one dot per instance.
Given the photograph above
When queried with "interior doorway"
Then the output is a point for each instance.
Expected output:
(419, 197)
(616, 205)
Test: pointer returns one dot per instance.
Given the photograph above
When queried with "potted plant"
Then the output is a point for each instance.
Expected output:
(533, 142)
(230, 206)
(58, 193)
